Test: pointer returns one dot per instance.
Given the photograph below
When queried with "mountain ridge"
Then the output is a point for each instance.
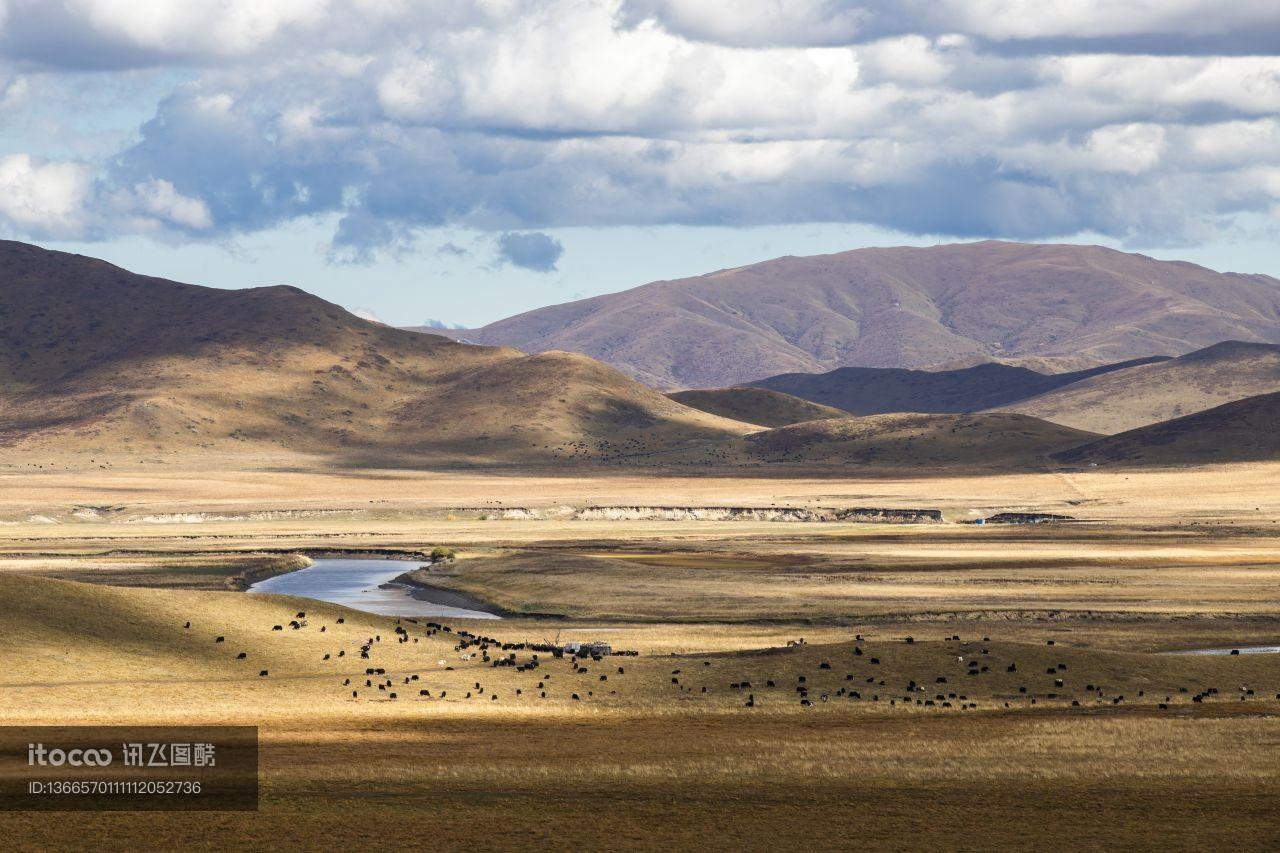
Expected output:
(878, 390)
(1144, 394)
(904, 307)
(1239, 431)
(97, 360)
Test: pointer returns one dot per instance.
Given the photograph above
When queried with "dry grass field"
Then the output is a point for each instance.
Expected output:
(100, 571)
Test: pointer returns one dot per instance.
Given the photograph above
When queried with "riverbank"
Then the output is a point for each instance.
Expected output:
(279, 566)
(418, 585)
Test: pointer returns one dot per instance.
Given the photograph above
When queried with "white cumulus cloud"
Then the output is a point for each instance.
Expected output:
(157, 199)
(45, 197)
(1010, 118)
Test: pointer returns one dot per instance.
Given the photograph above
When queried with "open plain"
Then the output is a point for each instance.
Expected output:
(725, 730)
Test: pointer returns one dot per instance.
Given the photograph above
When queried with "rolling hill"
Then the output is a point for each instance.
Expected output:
(760, 406)
(1063, 306)
(552, 405)
(1240, 431)
(986, 441)
(96, 360)
(875, 390)
(1138, 395)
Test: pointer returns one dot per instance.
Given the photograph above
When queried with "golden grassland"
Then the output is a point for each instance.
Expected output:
(850, 580)
(740, 783)
(1163, 561)
(656, 761)
(291, 482)
(179, 571)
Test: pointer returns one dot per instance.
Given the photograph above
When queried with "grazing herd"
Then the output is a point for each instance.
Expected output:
(971, 662)
(950, 673)
(467, 645)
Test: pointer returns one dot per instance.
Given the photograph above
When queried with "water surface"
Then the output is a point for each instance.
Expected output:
(358, 583)
(1244, 650)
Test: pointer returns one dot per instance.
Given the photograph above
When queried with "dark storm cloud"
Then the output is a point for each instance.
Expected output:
(533, 251)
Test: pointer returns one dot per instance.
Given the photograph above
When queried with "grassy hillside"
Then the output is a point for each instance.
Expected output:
(905, 442)
(875, 391)
(761, 406)
(552, 405)
(1242, 431)
(97, 361)
(1145, 394)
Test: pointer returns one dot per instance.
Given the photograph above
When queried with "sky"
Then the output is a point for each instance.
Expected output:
(460, 161)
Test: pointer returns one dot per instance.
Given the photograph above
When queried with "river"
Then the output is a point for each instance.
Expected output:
(360, 583)
(1226, 650)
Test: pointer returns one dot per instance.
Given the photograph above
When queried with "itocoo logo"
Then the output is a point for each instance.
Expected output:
(38, 755)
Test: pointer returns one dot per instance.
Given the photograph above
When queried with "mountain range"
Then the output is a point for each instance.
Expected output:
(1052, 307)
(1107, 399)
(1133, 396)
(879, 390)
(101, 364)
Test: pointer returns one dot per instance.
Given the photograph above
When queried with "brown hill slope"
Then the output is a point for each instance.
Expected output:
(878, 390)
(553, 404)
(1147, 394)
(1241, 431)
(98, 360)
(903, 441)
(903, 307)
(756, 406)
